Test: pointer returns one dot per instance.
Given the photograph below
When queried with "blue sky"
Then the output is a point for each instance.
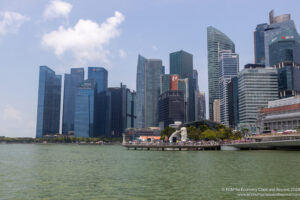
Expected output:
(79, 33)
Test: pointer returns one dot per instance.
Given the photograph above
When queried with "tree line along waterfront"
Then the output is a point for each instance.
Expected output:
(204, 132)
(61, 139)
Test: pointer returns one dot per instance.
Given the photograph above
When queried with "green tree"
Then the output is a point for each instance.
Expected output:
(167, 132)
(192, 133)
(209, 135)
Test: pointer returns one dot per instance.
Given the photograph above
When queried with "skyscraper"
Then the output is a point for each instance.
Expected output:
(202, 106)
(85, 109)
(196, 91)
(148, 90)
(259, 43)
(122, 110)
(229, 68)
(168, 82)
(216, 42)
(71, 83)
(217, 115)
(99, 74)
(285, 47)
(279, 25)
(102, 102)
(257, 85)
(233, 102)
(48, 110)
(171, 108)
(181, 63)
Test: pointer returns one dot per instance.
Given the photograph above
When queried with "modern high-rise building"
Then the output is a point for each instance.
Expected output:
(256, 85)
(233, 102)
(100, 75)
(71, 83)
(202, 105)
(48, 110)
(217, 114)
(122, 110)
(168, 82)
(288, 78)
(285, 47)
(85, 101)
(102, 105)
(216, 42)
(181, 63)
(171, 108)
(103, 114)
(229, 68)
(259, 43)
(196, 94)
(147, 91)
(279, 26)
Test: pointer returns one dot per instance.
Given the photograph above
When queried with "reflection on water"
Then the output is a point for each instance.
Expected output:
(112, 172)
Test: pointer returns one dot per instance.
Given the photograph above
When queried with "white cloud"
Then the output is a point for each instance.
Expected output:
(123, 54)
(87, 40)
(10, 113)
(10, 22)
(57, 8)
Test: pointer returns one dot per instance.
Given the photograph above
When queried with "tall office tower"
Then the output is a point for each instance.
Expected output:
(48, 110)
(202, 106)
(171, 108)
(183, 85)
(233, 102)
(229, 68)
(102, 105)
(168, 82)
(122, 110)
(131, 109)
(181, 63)
(279, 26)
(99, 74)
(196, 93)
(147, 91)
(216, 42)
(285, 47)
(256, 85)
(85, 101)
(217, 115)
(259, 43)
(71, 83)
(288, 79)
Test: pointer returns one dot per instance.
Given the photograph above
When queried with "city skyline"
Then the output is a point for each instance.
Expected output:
(23, 52)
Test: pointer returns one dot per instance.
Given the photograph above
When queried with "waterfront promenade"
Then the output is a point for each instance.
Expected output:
(284, 144)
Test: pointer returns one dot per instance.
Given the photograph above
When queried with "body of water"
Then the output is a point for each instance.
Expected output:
(39, 171)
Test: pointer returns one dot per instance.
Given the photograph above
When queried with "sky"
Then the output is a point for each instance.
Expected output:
(80, 33)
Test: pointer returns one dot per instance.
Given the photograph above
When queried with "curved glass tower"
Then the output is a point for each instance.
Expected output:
(216, 42)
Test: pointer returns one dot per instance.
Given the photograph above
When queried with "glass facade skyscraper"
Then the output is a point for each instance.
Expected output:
(71, 83)
(148, 90)
(49, 94)
(229, 68)
(285, 47)
(85, 109)
(99, 74)
(171, 108)
(216, 42)
(275, 29)
(122, 110)
(181, 63)
(259, 43)
(256, 86)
